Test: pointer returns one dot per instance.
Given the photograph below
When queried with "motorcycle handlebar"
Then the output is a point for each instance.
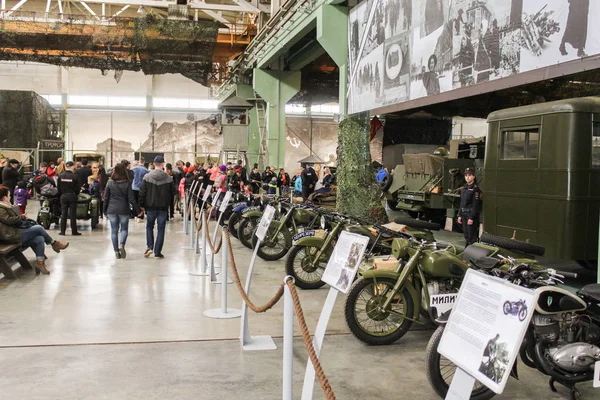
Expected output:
(570, 275)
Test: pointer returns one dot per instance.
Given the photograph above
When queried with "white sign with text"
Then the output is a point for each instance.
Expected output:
(265, 222)
(344, 261)
(207, 193)
(486, 327)
(225, 201)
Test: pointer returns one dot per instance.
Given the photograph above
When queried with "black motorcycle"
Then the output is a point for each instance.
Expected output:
(562, 340)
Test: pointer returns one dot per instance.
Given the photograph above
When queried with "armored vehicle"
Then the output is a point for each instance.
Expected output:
(542, 176)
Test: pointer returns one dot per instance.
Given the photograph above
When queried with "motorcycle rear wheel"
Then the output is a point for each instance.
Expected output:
(246, 231)
(440, 371)
(307, 271)
(370, 325)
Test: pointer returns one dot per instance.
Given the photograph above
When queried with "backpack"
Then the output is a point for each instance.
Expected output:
(48, 190)
(40, 181)
(218, 180)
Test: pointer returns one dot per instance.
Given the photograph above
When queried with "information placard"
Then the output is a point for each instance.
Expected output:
(225, 201)
(486, 327)
(207, 193)
(265, 222)
(343, 263)
(214, 199)
(597, 375)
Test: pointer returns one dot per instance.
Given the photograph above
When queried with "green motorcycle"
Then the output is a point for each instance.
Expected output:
(249, 218)
(278, 239)
(381, 307)
(308, 257)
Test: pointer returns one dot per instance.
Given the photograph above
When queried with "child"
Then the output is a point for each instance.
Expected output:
(272, 189)
(21, 196)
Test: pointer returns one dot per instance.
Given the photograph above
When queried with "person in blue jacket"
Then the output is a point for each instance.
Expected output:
(298, 183)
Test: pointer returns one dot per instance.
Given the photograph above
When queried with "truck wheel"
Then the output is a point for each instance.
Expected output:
(415, 223)
(512, 244)
(386, 183)
(393, 205)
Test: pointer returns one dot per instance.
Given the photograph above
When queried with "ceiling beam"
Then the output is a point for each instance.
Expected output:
(217, 16)
(121, 10)
(60, 9)
(48, 3)
(87, 8)
(247, 6)
(18, 5)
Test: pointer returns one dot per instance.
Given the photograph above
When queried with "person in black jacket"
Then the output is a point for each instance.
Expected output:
(470, 207)
(11, 176)
(3, 163)
(156, 193)
(83, 173)
(118, 196)
(255, 180)
(267, 176)
(68, 189)
(309, 180)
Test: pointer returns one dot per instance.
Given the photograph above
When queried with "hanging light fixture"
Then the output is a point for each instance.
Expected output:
(141, 10)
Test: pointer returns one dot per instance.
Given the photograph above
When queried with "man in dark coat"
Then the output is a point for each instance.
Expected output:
(10, 177)
(309, 179)
(82, 174)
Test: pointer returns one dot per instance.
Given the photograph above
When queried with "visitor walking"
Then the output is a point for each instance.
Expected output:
(21, 196)
(156, 191)
(118, 197)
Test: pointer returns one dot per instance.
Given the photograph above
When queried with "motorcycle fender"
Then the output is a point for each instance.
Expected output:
(286, 233)
(252, 214)
(311, 241)
(443, 319)
(384, 273)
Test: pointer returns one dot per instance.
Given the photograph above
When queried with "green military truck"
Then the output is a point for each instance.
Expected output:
(427, 186)
(542, 177)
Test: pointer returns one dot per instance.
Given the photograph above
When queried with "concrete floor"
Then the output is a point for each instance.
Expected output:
(101, 328)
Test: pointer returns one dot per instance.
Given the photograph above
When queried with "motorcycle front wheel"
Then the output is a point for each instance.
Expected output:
(302, 264)
(275, 246)
(367, 320)
(234, 221)
(440, 371)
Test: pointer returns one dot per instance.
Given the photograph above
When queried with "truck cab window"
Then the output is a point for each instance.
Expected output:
(521, 144)
(596, 145)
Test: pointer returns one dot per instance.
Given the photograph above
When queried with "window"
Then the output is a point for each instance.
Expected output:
(521, 144)
(596, 145)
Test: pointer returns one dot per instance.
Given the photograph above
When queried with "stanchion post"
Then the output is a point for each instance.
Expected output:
(203, 253)
(192, 214)
(184, 205)
(213, 275)
(223, 312)
(202, 222)
(288, 341)
(256, 342)
(309, 376)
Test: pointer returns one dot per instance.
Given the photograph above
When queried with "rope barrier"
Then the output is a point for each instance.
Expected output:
(236, 277)
(215, 250)
(321, 376)
(323, 381)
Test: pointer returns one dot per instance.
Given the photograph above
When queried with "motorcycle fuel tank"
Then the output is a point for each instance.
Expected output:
(443, 264)
(554, 300)
(303, 217)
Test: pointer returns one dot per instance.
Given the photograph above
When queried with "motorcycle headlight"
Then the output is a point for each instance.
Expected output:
(323, 222)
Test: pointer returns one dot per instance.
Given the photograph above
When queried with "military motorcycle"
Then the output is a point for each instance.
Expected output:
(309, 254)
(250, 217)
(381, 306)
(278, 240)
(562, 340)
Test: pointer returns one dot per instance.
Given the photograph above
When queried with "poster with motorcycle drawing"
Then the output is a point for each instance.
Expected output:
(486, 328)
(343, 263)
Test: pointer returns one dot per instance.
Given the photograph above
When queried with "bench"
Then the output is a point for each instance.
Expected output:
(12, 250)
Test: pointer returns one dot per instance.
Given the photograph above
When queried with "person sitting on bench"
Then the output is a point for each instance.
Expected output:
(13, 230)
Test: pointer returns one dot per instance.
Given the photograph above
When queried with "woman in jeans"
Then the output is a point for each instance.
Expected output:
(35, 237)
(117, 198)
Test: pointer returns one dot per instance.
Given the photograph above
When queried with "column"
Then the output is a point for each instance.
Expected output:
(277, 88)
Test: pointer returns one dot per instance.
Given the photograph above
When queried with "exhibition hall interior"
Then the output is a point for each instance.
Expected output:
(299, 199)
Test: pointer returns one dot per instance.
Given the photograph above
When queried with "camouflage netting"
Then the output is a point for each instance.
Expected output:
(358, 193)
(154, 46)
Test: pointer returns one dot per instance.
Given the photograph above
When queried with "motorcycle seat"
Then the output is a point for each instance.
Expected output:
(486, 263)
(475, 253)
(592, 291)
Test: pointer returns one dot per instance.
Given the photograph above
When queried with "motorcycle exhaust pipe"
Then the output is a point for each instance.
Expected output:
(548, 370)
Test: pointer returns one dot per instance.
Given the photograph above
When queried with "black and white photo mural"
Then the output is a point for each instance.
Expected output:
(404, 50)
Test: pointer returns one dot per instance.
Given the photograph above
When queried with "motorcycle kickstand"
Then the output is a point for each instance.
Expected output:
(575, 394)
(551, 384)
